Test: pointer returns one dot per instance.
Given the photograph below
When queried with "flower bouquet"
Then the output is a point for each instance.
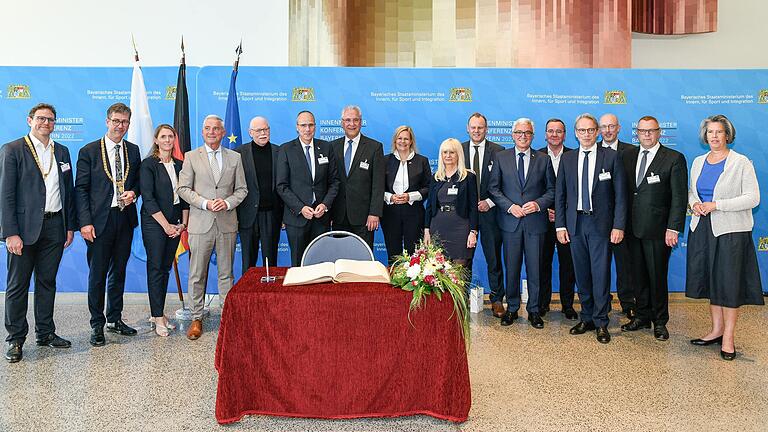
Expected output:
(428, 271)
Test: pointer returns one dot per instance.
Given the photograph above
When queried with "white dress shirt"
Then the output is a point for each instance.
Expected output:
(614, 145)
(651, 154)
(400, 184)
(169, 167)
(355, 143)
(110, 148)
(480, 174)
(591, 174)
(220, 161)
(312, 158)
(47, 158)
(526, 159)
(555, 158)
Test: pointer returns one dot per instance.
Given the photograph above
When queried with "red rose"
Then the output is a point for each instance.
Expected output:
(429, 279)
(415, 260)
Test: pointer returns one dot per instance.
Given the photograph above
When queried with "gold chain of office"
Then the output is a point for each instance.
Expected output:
(120, 183)
(37, 158)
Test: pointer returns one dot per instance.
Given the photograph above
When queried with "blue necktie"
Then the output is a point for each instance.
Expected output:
(309, 160)
(585, 205)
(348, 156)
(521, 169)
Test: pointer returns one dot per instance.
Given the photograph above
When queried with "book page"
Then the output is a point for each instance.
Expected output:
(360, 271)
(316, 273)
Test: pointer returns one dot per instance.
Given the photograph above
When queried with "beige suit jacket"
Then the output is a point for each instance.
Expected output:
(196, 184)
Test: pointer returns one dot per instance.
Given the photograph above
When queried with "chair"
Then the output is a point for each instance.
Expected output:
(333, 245)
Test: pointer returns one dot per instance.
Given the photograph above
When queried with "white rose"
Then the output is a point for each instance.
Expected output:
(413, 271)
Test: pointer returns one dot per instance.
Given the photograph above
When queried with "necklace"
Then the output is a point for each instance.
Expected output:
(120, 183)
(37, 158)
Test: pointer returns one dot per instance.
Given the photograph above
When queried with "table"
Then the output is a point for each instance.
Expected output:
(337, 351)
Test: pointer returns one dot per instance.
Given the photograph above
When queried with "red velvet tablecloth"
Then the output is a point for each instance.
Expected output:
(338, 351)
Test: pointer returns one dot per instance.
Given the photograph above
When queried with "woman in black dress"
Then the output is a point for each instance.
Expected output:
(451, 217)
(405, 189)
(163, 218)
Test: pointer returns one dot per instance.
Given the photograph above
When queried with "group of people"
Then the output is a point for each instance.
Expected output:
(602, 199)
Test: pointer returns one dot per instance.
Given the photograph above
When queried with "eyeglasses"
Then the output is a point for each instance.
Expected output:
(306, 125)
(43, 119)
(609, 127)
(260, 130)
(583, 131)
(555, 131)
(116, 122)
(351, 120)
(647, 131)
(521, 133)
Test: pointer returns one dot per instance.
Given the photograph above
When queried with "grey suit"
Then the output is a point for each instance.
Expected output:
(206, 228)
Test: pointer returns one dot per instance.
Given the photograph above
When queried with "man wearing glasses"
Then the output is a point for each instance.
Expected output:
(609, 130)
(657, 181)
(260, 214)
(37, 221)
(522, 185)
(307, 181)
(106, 188)
(360, 201)
(590, 214)
(555, 137)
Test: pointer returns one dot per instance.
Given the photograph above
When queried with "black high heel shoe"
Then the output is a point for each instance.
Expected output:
(703, 342)
(728, 356)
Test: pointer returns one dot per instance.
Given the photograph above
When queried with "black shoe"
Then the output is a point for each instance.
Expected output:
(602, 335)
(14, 353)
(703, 342)
(536, 321)
(660, 332)
(630, 313)
(581, 328)
(54, 341)
(725, 355)
(122, 328)
(508, 318)
(635, 325)
(97, 337)
(543, 310)
(570, 314)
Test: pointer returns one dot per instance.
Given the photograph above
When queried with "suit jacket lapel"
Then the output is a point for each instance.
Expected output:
(633, 163)
(203, 153)
(600, 154)
(358, 155)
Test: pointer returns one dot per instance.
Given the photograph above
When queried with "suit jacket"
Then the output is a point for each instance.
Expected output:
(505, 190)
(22, 191)
(491, 148)
(656, 207)
(249, 208)
(361, 191)
(296, 186)
(196, 184)
(419, 175)
(157, 189)
(622, 147)
(94, 190)
(466, 200)
(609, 197)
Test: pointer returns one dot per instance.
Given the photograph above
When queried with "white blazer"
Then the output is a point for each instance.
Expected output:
(736, 194)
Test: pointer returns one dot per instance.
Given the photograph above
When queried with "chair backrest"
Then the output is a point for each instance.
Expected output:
(333, 245)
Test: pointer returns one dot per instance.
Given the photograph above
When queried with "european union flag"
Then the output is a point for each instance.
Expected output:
(233, 136)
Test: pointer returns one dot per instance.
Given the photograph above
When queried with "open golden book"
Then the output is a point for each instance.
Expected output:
(342, 270)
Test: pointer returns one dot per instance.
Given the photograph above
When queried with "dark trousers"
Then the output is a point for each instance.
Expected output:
(491, 240)
(624, 282)
(403, 227)
(107, 257)
(41, 258)
(516, 245)
(360, 230)
(264, 232)
(650, 265)
(565, 264)
(299, 237)
(161, 250)
(592, 264)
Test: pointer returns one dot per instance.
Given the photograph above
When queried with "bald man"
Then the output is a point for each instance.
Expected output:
(260, 214)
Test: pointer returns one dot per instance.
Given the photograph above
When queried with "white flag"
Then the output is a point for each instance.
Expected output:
(141, 131)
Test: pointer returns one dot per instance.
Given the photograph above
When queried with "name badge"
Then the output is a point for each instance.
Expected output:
(653, 179)
(603, 176)
(453, 190)
(322, 160)
(364, 165)
(65, 167)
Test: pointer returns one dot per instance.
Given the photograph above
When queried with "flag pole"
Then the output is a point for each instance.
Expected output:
(184, 313)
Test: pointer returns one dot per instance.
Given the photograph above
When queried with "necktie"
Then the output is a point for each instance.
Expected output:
(348, 156)
(640, 173)
(585, 205)
(521, 169)
(215, 167)
(309, 159)
(476, 166)
(118, 165)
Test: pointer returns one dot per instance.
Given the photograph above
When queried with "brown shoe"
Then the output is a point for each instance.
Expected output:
(498, 309)
(195, 330)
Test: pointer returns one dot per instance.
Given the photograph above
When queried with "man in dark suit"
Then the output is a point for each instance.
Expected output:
(360, 201)
(609, 130)
(106, 189)
(260, 214)
(657, 184)
(522, 184)
(307, 181)
(555, 136)
(478, 156)
(590, 213)
(37, 221)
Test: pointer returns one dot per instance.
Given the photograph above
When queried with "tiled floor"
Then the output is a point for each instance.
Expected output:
(522, 379)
